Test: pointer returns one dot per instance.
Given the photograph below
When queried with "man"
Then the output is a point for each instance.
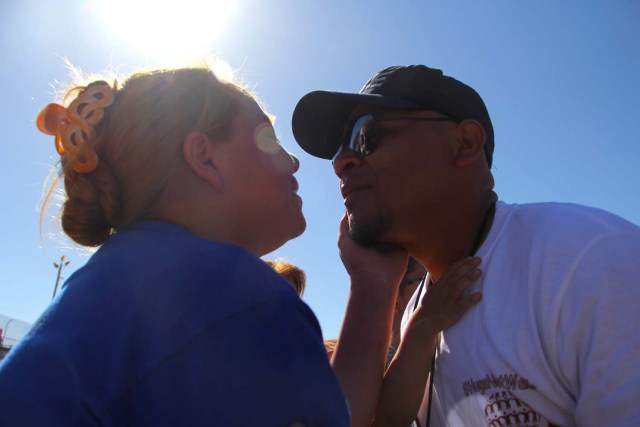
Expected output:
(554, 340)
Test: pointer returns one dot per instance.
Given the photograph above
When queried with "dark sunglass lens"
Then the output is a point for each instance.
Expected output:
(363, 136)
(360, 142)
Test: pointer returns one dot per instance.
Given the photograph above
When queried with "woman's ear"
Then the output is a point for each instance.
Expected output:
(471, 140)
(201, 155)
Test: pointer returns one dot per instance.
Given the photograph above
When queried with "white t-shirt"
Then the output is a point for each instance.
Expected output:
(556, 337)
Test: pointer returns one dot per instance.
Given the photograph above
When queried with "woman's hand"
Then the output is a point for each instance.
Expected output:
(443, 304)
(370, 266)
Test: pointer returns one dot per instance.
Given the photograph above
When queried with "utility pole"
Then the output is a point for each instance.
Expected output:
(4, 333)
(63, 263)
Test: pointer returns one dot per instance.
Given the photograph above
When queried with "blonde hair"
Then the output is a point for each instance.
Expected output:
(330, 347)
(138, 143)
(292, 274)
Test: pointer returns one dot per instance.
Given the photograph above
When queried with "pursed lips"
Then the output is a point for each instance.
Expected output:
(348, 188)
(294, 191)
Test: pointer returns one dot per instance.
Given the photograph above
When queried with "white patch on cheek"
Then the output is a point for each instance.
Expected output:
(268, 143)
(266, 139)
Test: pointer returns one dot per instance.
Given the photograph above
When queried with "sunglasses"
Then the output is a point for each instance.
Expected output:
(365, 133)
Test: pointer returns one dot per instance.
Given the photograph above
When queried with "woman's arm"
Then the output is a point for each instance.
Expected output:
(360, 356)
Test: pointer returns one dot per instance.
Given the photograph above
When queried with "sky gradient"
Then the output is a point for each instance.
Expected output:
(561, 81)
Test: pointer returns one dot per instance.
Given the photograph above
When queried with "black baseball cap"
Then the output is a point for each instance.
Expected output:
(320, 116)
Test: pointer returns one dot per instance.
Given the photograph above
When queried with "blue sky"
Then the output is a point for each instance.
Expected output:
(561, 80)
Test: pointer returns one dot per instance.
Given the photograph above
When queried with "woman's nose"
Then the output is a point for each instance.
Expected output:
(296, 162)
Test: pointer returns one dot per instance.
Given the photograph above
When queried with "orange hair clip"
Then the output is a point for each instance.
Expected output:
(73, 127)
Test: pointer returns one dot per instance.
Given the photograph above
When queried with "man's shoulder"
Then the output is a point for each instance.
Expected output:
(564, 218)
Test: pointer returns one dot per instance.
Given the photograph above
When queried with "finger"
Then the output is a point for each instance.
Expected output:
(457, 277)
(458, 269)
(343, 229)
(460, 308)
(343, 233)
(449, 295)
(445, 319)
(458, 288)
(464, 304)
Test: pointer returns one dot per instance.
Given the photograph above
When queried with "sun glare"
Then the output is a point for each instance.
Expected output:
(166, 26)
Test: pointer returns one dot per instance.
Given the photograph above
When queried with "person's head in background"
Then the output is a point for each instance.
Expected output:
(185, 145)
(414, 274)
(294, 275)
(330, 346)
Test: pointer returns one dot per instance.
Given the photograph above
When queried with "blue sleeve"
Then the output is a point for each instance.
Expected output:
(38, 390)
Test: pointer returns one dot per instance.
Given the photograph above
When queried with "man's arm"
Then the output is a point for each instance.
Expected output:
(600, 324)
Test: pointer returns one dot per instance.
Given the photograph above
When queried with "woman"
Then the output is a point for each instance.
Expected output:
(178, 178)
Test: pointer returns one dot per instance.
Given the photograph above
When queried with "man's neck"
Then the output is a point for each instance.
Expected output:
(453, 236)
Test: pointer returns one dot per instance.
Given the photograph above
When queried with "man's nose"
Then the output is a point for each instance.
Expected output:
(344, 162)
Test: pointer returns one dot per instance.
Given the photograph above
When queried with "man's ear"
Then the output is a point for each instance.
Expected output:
(201, 156)
(471, 140)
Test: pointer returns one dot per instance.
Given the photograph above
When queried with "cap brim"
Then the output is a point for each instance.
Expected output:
(319, 118)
